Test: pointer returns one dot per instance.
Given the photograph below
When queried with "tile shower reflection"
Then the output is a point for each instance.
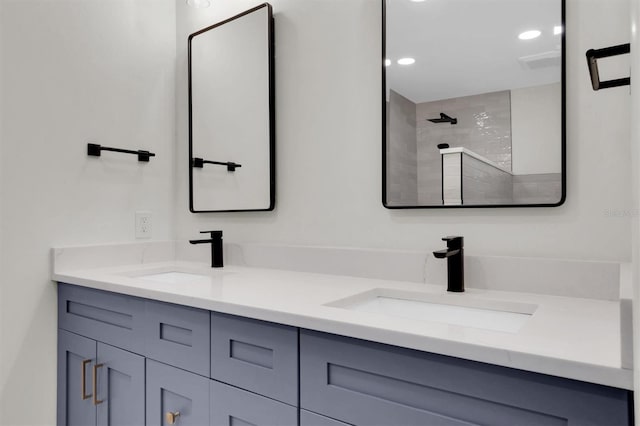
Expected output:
(483, 164)
(479, 123)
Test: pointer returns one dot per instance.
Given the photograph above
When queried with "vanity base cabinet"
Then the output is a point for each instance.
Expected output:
(258, 356)
(176, 396)
(75, 356)
(307, 418)
(231, 406)
(124, 360)
(107, 317)
(98, 384)
(120, 387)
(366, 383)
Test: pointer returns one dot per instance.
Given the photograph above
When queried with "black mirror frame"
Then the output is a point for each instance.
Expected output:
(272, 132)
(563, 130)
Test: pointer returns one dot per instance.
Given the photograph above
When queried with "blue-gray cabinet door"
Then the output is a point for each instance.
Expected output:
(107, 317)
(76, 358)
(307, 418)
(176, 396)
(120, 387)
(231, 406)
(366, 383)
(259, 356)
(177, 335)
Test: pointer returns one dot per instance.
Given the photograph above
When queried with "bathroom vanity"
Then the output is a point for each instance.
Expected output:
(160, 341)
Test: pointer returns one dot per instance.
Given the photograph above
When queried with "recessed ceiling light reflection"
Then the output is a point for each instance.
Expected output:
(557, 30)
(529, 35)
(200, 4)
(417, 1)
(406, 61)
(387, 62)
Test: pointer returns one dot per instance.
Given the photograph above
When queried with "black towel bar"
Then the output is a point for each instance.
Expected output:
(94, 149)
(200, 162)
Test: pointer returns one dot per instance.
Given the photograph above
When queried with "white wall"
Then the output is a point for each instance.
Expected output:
(74, 71)
(80, 70)
(2, 356)
(635, 178)
(329, 138)
(536, 129)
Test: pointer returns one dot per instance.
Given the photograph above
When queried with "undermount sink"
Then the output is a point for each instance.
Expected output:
(173, 277)
(177, 275)
(459, 309)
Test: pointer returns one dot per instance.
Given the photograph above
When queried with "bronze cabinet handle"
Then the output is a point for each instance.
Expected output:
(83, 377)
(172, 417)
(96, 401)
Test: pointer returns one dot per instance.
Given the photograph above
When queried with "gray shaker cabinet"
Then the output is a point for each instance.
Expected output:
(366, 383)
(176, 396)
(165, 363)
(120, 386)
(76, 355)
(98, 384)
(231, 406)
(258, 356)
(178, 336)
(307, 418)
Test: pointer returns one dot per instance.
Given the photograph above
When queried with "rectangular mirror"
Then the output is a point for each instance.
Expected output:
(231, 114)
(473, 103)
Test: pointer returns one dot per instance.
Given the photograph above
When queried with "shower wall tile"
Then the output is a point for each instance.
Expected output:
(484, 184)
(537, 188)
(484, 127)
(402, 168)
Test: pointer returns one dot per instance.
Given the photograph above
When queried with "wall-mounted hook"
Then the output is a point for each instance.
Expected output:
(592, 61)
(200, 162)
(94, 150)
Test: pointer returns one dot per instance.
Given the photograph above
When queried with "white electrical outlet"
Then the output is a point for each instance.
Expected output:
(143, 224)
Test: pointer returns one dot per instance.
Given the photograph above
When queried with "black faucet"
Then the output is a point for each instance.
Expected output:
(216, 247)
(454, 253)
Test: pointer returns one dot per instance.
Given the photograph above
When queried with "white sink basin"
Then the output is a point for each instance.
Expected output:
(458, 309)
(174, 277)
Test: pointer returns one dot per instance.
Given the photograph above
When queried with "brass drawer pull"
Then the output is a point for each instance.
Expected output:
(83, 377)
(172, 417)
(96, 401)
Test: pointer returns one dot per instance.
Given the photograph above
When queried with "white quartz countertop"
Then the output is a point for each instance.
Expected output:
(576, 338)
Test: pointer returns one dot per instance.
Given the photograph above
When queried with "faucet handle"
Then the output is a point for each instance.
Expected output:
(454, 242)
(214, 234)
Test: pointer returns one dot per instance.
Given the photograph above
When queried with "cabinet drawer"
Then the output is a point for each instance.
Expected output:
(171, 391)
(366, 383)
(111, 318)
(307, 418)
(178, 335)
(231, 406)
(255, 355)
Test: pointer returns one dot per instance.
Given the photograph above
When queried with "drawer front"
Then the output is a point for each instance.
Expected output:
(172, 391)
(258, 356)
(366, 383)
(178, 335)
(307, 418)
(231, 406)
(110, 318)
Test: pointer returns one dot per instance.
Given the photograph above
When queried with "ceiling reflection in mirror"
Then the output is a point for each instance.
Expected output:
(474, 103)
